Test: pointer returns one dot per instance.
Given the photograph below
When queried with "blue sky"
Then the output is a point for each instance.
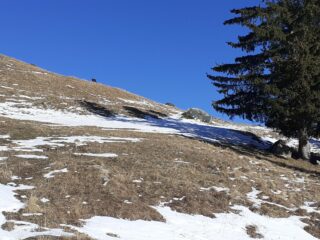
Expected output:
(158, 49)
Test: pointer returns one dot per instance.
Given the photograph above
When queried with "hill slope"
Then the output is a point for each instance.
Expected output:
(80, 160)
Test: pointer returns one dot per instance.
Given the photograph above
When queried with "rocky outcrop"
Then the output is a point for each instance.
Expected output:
(280, 148)
(198, 114)
(170, 104)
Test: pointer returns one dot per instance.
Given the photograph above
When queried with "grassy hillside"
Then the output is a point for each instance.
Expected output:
(81, 160)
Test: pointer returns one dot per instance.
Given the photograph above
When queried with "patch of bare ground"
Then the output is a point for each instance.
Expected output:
(252, 231)
(5, 174)
(313, 226)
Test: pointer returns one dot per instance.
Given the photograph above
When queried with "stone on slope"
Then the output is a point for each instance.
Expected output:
(198, 114)
(280, 148)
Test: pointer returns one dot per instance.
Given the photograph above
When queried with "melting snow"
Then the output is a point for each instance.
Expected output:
(15, 178)
(142, 102)
(4, 136)
(308, 206)
(30, 156)
(31, 214)
(3, 158)
(3, 148)
(72, 119)
(52, 173)
(179, 226)
(5, 87)
(44, 200)
(22, 230)
(137, 180)
(217, 189)
(253, 197)
(27, 97)
(32, 144)
(106, 155)
(178, 160)
(35, 72)
(172, 125)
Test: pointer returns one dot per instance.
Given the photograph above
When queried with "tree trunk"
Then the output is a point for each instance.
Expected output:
(304, 150)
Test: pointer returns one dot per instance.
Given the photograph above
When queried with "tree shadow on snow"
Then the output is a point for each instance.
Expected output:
(242, 142)
(246, 142)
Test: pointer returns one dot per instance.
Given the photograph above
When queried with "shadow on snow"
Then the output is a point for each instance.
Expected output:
(208, 133)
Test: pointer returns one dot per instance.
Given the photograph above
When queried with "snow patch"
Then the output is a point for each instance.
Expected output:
(6, 136)
(52, 173)
(102, 155)
(32, 144)
(308, 206)
(10, 110)
(217, 189)
(170, 125)
(179, 226)
(3, 158)
(253, 197)
(31, 156)
(22, 230)
(142, 102)
(44, 200)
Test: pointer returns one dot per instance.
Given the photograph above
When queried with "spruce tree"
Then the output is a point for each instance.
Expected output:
(277, 81)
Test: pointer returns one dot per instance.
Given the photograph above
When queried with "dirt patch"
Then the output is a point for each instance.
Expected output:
(252, 231)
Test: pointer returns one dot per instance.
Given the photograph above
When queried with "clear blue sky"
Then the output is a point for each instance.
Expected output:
(160, 49)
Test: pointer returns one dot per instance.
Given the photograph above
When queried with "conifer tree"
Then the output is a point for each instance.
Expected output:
(278, 80)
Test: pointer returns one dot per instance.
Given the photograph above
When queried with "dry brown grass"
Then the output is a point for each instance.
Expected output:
(171, 169)
(252, 231)
(33, 205)
(5, 174)
(8, 226)
(78, 236)
(102, 186)
(163, 181)
(61, 92)
(313, 224)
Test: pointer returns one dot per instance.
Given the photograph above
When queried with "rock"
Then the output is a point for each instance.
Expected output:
(198, 114)
(170, 104)
(280, 148)
(315, 158)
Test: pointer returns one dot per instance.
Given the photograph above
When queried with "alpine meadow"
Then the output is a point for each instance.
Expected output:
(110, 128)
